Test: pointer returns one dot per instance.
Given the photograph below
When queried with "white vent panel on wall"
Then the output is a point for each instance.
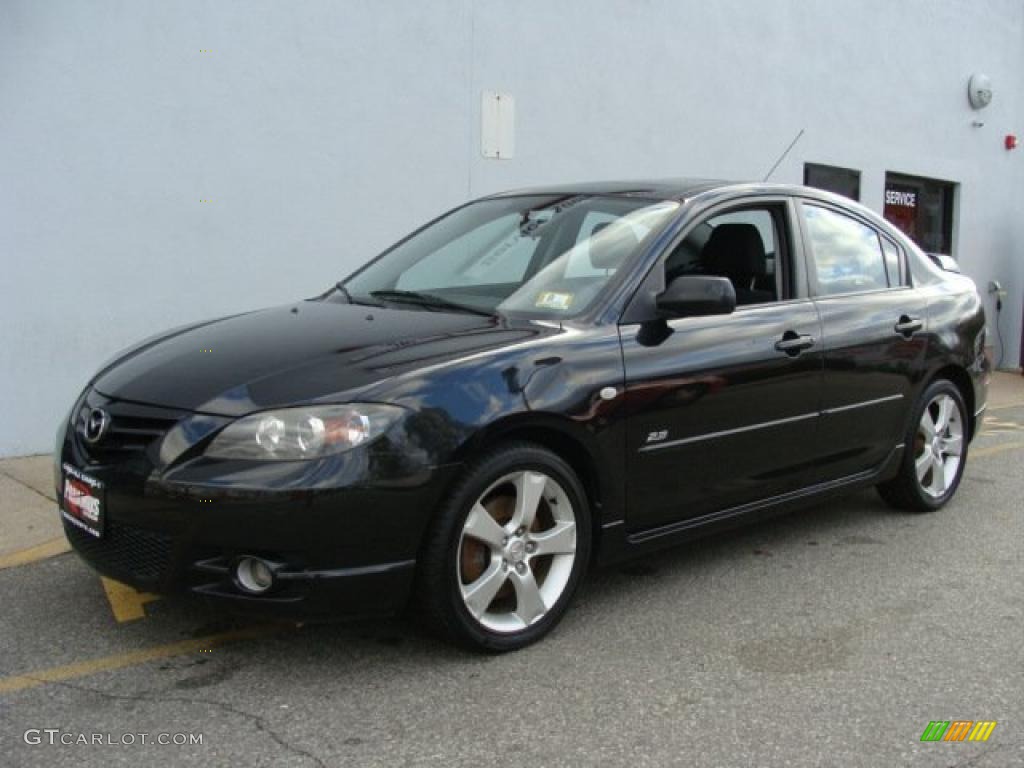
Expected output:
(497, 128)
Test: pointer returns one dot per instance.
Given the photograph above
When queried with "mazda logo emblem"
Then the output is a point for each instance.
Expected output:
(96, 424)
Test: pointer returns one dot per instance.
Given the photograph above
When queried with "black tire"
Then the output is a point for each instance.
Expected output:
(439, 582)
(905, 491)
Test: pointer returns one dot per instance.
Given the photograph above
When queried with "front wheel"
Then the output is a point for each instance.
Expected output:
(507, 551)
(935, 452)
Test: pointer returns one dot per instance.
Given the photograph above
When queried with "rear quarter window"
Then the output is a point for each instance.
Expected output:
(895, 263)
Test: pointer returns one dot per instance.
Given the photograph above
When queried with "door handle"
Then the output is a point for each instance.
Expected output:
(908, 325)
(793, 343)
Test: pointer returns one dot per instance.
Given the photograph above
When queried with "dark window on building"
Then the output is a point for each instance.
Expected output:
(842, 181)
(922, 209)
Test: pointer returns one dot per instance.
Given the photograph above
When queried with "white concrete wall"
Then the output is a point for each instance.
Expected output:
(321, 131)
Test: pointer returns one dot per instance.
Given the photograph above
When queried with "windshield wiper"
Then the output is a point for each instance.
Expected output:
(427, 300)
(348, 296)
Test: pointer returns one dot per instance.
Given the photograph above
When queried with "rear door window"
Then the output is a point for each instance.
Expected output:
(847, 254)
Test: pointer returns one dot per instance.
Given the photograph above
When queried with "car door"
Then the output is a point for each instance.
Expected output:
(722, 410)
(873, 334)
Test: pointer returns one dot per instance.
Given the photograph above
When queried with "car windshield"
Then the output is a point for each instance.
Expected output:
(542, 255)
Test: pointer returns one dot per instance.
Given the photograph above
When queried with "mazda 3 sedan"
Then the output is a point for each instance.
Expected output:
(531, 383)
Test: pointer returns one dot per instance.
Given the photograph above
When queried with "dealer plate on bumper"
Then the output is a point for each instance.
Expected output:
(82, 500)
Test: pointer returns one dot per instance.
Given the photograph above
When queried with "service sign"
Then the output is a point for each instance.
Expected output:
(902, 198)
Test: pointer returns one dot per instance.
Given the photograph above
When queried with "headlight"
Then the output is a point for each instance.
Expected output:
(303, 433)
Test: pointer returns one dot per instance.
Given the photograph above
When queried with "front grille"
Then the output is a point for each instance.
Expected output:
(133, 428)
(130, 433)
(123, 550)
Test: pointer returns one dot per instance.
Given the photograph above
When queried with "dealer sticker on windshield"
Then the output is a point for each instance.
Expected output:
(554, 300)
(83, 501)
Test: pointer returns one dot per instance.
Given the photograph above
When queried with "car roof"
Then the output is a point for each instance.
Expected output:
(664, 189)
(683, 189)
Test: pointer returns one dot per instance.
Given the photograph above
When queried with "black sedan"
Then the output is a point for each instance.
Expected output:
(531, 383)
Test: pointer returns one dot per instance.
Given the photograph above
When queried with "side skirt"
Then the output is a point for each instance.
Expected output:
(619, 544)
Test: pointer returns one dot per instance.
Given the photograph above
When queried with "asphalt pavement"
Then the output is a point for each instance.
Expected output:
(831, 636)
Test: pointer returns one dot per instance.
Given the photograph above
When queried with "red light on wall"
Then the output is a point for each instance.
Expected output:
(1011, 141)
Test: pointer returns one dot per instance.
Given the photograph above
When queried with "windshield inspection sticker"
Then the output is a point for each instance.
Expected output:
(554, 300)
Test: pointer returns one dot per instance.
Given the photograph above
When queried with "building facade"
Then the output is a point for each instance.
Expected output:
(165, 162)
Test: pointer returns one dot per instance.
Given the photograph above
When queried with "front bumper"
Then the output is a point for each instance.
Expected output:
(154, 561)
(343, 533)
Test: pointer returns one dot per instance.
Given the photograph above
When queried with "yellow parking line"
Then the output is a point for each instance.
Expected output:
(126, 602)
(129, 659)
(978, 453)
(32, 554)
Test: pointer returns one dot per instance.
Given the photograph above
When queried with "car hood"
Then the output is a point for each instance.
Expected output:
(294, 354)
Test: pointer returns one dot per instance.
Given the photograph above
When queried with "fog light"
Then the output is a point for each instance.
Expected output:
(254, 575)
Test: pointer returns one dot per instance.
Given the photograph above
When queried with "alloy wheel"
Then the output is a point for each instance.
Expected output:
(516, 551)
(938, 445)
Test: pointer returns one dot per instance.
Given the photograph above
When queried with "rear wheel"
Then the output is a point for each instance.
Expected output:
(507, 551)
(935, 452)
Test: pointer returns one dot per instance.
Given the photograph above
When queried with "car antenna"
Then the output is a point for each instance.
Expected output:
(783, 155)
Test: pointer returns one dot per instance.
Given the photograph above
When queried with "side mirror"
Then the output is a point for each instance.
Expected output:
(697, 296)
